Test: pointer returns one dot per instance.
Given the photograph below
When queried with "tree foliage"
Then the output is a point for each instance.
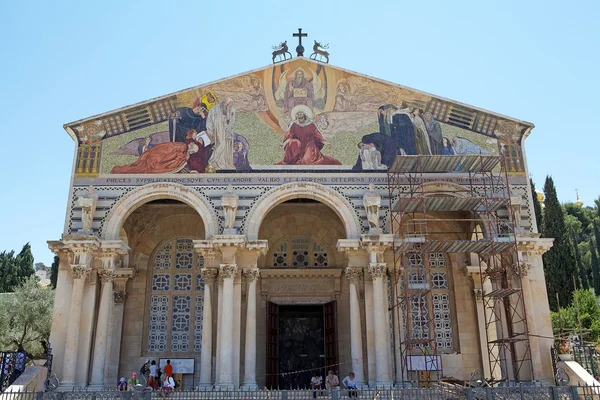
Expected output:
(26, 316)
(583, 316)
(595, 267)
(537, 207)
(559, 262)
(14, 270)
(54, 272)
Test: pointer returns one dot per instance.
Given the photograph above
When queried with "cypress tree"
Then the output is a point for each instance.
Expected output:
(54, 272)
(24, 261)
(585, 284)
(595, 267)
(597, 235)
(559, 262)
(537, 207)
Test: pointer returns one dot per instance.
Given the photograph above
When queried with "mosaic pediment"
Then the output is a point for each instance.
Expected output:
(299, 114)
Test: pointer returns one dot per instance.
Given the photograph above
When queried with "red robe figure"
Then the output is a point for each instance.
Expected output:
(303, 143)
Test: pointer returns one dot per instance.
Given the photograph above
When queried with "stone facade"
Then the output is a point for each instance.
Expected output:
(196, 266)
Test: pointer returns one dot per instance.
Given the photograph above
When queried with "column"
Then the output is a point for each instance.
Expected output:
(111, 366)
(219, 329)
(237, 330)
(353, 275)
(80, 273)
(101, 344)
(382, 349)
(209, 275)
(483, 339)
(225, 378)
(251, 276)
(522, 272)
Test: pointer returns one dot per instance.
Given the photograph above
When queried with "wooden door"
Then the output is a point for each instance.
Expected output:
(272, 368)
(331, 337)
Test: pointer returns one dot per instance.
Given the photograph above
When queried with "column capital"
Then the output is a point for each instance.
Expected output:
(80, 271)
(377, 270)
(209, 274)
(521, 269)
(478, 293)
(532, 244)
(353, 274)
(251, 274)
(106, 275)
(119, 296)
(79, 249)
(228, 270)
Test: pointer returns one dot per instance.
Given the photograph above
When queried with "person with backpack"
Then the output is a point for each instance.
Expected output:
(168, 385)
(153, 376)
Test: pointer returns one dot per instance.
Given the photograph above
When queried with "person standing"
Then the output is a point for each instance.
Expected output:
(153, 376)
(350, 383)
(168, 370)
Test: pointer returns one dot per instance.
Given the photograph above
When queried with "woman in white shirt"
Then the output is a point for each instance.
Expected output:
(350, 383)
(168, 386)
(152, 380)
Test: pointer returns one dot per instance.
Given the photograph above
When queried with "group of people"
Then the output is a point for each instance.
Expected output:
(332, 382)
(155, 378)
(200, 137)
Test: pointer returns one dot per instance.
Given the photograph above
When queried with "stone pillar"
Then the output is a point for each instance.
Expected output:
(80, 273)
(101, 342)
(237, 330)
(225, 378)
(251, 276)
(382, 349)
(353, 275)
(111, 366)
(219, 328)
(209, 275)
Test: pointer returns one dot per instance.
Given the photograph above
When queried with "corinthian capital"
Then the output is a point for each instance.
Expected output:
(228, 270)
(209, 274)
(377, 270)
(106, 275)
(353, 274)
(80, 271)
(251, 274)
(120, 296)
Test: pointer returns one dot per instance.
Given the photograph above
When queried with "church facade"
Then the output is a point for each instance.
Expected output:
(296, 219)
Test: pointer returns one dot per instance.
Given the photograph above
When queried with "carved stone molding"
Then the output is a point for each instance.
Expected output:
(209, 274)
(478, 293)
(120, 296)
(228, 270)
(534, 245)
(106, 275)
(251, 275)
(377, 270)
(80, 271)
(521, 269)
(353, 274)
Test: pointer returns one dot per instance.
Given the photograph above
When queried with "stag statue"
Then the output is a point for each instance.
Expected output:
(280, 51)
(318, 50)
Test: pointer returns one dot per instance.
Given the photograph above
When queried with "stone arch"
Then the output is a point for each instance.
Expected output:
(154, 191)
(302, 190)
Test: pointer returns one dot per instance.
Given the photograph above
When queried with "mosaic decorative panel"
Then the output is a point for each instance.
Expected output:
(297, 114)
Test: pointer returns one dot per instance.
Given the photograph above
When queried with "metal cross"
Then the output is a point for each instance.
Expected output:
(300, 48)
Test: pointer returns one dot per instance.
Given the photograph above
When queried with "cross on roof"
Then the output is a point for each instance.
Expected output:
(300, 48)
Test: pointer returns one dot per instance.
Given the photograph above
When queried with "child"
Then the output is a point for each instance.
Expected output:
(122, 385)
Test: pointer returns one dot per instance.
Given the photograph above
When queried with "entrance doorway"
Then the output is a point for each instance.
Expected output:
(301, 340)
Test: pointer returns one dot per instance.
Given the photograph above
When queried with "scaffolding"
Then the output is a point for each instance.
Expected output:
(483, 201)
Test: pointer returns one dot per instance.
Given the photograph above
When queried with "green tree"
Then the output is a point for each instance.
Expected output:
(54, 272)
(9, 275)
(24, 262)
(26, 316)
(595, 267)
(559, 262)
(582, 316)
(583, 275)
(596, 229)
(537, 207)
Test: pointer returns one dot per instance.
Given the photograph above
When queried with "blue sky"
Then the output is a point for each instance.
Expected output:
(63, 61)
